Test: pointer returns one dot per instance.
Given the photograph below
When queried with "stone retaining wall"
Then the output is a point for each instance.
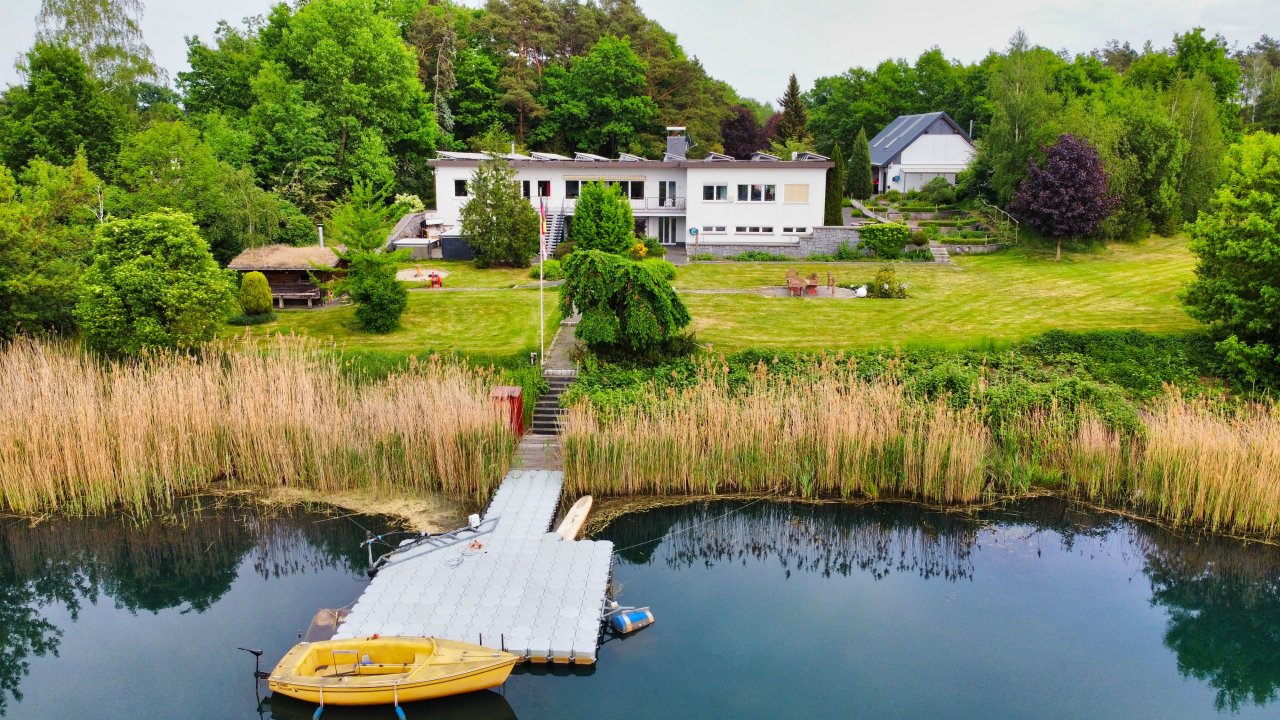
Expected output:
(984, 249)
(822, 241)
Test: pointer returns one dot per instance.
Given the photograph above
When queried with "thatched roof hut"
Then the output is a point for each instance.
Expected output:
(284, 257)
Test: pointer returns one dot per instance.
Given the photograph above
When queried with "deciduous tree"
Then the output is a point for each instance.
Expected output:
(1067, 197)
(626, 305)
(152, 284)
(106, 33)
(741, 133)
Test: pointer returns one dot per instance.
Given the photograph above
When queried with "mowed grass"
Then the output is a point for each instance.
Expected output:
(464, 274)
(494, 322)
(995, 298)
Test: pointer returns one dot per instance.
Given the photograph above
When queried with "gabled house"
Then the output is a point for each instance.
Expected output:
(914, 149)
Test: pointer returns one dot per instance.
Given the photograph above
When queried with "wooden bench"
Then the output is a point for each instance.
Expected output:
(296, 291)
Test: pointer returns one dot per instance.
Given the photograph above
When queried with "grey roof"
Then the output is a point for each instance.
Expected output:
(903, 131)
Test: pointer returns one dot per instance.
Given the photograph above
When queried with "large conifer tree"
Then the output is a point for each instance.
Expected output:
(858, 169)
(794, 124)
(833, 214)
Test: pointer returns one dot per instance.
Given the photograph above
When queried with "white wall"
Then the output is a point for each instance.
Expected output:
(448, 207)
(731, 213)
(691, 209)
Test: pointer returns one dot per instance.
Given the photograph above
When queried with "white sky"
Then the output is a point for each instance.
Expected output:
(755, 44)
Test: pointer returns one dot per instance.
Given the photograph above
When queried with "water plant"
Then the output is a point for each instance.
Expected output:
(79, 435)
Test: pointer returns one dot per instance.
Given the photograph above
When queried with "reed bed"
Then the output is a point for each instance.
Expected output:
(839, 436)
(827, 438)
(81, 436)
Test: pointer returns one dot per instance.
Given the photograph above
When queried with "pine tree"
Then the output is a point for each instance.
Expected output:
(833, 214)
(794, 124)
(858, 171)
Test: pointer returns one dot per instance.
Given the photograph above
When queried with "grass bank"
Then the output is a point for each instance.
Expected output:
(1099, 418)
(81, 436)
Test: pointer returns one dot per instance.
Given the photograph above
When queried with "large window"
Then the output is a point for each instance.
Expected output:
(544, 188)
(715, 192)
(757, 193)
(637, 189)
(571, 189)
(459, 188)
(795, 193)
(524, 188)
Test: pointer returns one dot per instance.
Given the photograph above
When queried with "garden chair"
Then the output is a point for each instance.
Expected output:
(795, 286)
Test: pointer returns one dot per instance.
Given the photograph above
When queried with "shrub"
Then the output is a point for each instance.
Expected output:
(892, 196)
(638, 251)
(654, 248)
(255, 294)
(920, 255)
(918, 237)
(760, 256)
(661, 268)
(703, 257)
(379, 297)
(938, 191)
(152, 284)
(551, 271)
(886, 285)
(886, 240)
(820, 257)
(562, 249)
(846, 202)
(845, 252)
(602, 219)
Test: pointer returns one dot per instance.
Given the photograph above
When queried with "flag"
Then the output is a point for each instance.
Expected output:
(542, 231)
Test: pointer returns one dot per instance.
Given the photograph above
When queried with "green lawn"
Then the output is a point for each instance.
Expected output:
(492, 322)
(991, 298)
(1002, 297)
(464, 274)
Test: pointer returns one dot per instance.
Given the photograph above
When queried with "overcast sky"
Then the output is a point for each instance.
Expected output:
(755, 44)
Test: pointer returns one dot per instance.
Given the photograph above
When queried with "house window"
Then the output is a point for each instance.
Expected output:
(715, 192)
(524, 188)
(570, 189)
(798, 230)
(757, 193)
(754, 230)
(713, 229)
(740, 229)
(637, 189)
(544, 188)
(459, 188)
(795, 193)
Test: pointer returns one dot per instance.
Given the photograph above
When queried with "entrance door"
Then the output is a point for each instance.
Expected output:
(667, 193)
(667, 230)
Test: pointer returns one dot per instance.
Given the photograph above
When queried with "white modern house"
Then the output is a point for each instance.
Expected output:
(914, 149)
(716, 201)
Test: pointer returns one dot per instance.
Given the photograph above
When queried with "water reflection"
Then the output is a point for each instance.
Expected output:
(188, 560)
(1222, 596)
(485, 705)
(1223, 601)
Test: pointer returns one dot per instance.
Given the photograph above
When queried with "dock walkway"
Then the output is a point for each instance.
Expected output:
(523, 589)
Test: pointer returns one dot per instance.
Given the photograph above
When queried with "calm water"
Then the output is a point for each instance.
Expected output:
(1037, 611)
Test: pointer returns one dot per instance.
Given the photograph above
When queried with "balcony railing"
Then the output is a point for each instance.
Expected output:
(673, 204)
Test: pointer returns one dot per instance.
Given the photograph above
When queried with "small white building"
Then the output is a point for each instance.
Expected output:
(914, 149)
(716, 200)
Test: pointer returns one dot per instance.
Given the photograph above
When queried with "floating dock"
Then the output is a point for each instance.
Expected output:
(514, 585)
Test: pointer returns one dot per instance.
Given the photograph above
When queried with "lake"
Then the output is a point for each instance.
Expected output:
(1039, 609)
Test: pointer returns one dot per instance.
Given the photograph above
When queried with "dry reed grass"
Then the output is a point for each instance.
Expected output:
(839, 436)
(81, 436)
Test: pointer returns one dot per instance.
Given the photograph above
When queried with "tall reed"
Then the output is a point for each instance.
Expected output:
(835, 435)
(81, 436)
(831, 437)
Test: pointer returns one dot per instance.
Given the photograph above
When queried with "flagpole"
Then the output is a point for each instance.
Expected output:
(542, 256)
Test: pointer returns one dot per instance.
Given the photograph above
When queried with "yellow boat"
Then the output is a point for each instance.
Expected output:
(387, 670)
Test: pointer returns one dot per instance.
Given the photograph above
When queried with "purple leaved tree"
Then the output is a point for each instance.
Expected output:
(1067, 196)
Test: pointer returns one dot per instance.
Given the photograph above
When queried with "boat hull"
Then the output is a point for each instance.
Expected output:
(386, 670)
